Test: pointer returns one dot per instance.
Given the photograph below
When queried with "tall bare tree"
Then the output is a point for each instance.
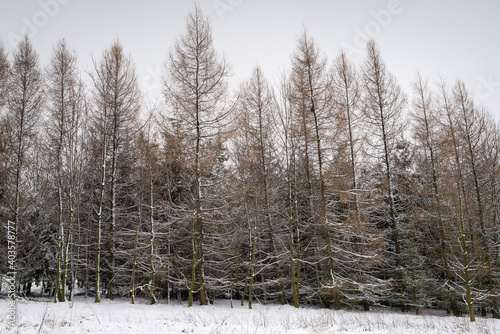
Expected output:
(196, 88)
(312, 101)
(286, 145)
(356, 239)
(465, 262)
(383, 107)
(25, 102)
(116, 105)
(427, 131)
(257, 165)
(472, 126)
(64, 125)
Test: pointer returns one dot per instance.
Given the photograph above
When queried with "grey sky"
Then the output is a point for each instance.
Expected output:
(458, 39)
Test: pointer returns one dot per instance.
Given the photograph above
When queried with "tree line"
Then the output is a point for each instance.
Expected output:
(332, 187)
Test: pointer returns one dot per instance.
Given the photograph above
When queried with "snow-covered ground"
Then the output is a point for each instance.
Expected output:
(119, 316)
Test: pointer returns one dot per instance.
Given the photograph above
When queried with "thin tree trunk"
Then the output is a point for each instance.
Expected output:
(99, 218)
(134, 260)
(57, 288)
(152, 269)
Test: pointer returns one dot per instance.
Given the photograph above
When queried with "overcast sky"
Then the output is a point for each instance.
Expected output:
(455, 38)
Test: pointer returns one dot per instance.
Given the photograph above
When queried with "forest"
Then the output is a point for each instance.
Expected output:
(330, 187)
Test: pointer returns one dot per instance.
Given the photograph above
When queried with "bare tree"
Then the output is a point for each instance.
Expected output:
(196, 89)
(256, 159)
(65, 106)
(356, 239)
(473, 129)
(286, 146)
(446, 104)
(116, 104)
(312, 101)
(383, 107)
(427, 133)
(25, 102)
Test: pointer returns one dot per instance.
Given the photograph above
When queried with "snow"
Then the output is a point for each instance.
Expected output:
(119, 316)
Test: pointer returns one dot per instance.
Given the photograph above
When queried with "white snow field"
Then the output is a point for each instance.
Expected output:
(119, 316)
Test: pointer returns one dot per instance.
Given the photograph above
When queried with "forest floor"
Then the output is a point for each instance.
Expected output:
(40, 315)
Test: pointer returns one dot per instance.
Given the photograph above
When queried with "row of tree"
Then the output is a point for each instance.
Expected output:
(331, 188)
